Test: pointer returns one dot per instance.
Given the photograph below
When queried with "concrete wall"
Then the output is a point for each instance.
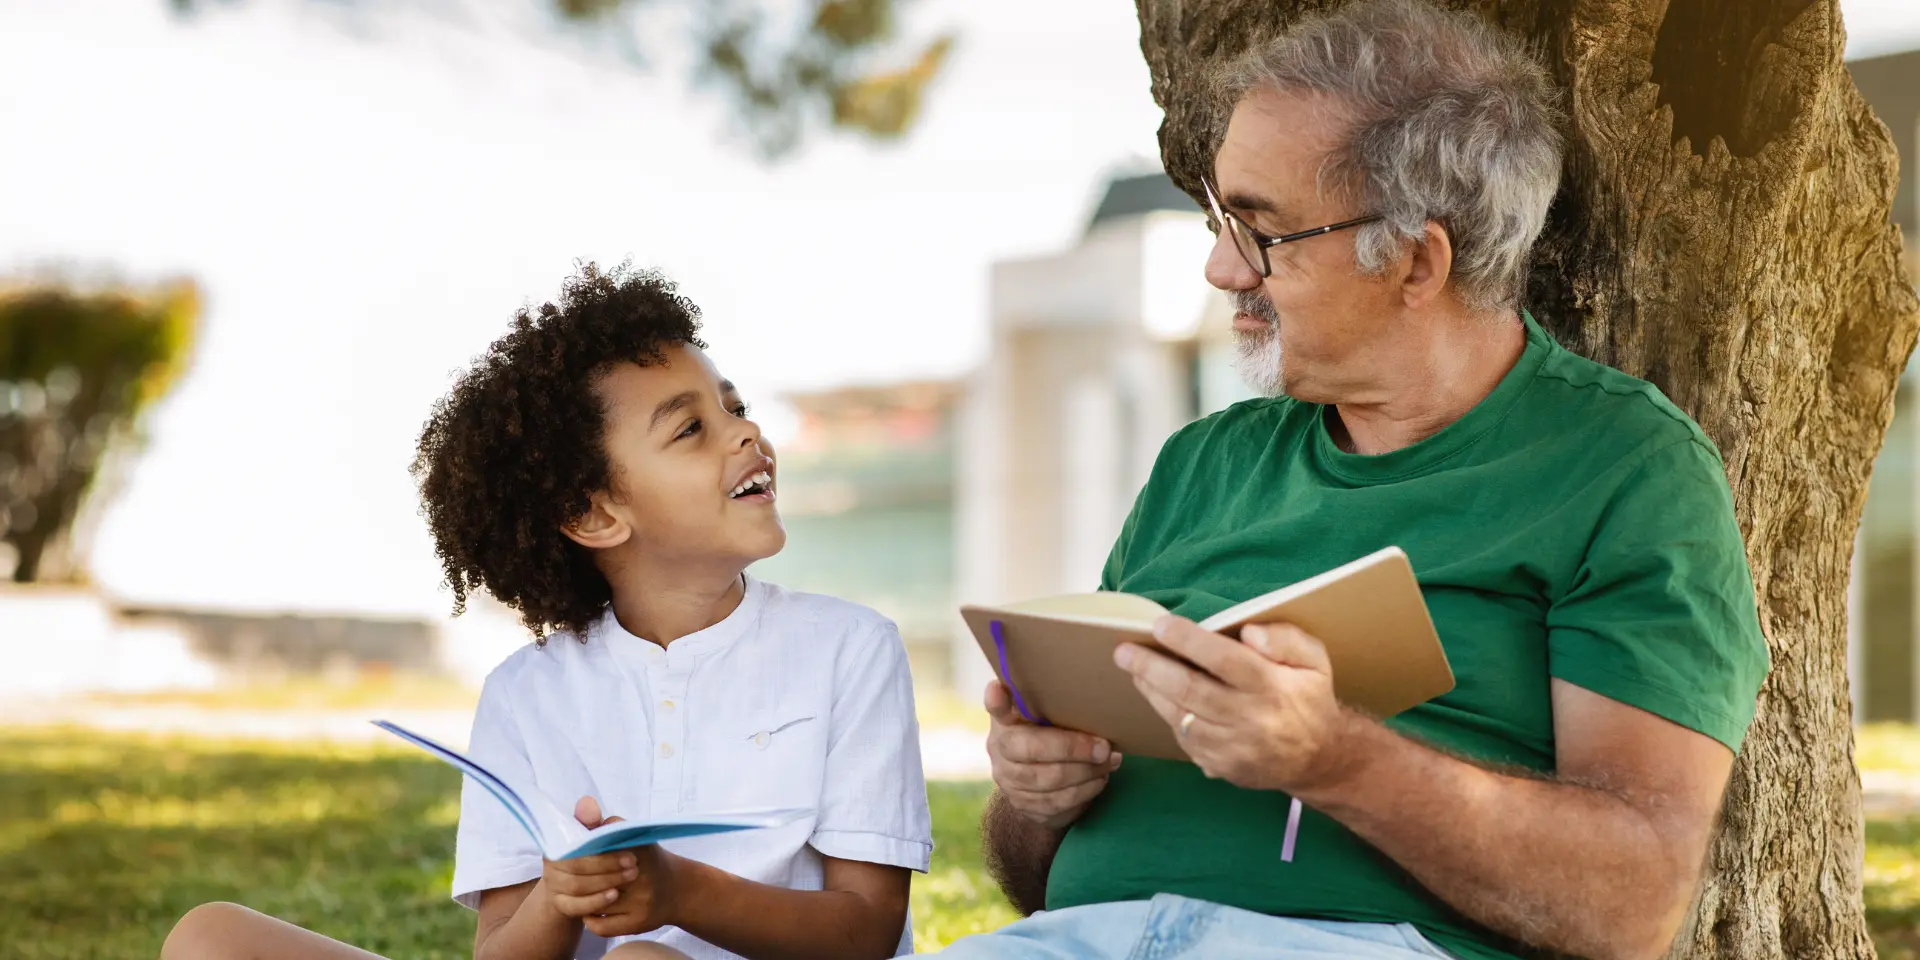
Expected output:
(251, 648)
(58, 642)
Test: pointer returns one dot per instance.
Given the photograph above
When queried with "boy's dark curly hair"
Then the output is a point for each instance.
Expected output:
(513, 452)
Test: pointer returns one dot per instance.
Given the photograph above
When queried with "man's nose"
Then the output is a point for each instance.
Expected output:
(1226, 269)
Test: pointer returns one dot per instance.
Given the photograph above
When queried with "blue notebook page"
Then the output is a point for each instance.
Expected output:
(493, 784)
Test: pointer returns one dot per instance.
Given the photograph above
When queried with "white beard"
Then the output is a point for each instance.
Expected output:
(1256, 358)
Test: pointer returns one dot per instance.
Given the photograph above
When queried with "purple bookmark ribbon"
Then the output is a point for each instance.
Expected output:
(1293, 831)
(1000, 644)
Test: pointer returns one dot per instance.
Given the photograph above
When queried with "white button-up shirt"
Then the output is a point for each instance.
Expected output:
(794, 700)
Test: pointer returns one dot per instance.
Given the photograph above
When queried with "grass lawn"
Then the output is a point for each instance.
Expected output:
(105, 841)
(1892, 874)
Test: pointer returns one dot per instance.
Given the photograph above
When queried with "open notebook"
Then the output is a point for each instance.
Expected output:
(561, 837)
(1057, 652)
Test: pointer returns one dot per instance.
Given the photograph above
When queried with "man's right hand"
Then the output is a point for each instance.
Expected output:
(1048, 775)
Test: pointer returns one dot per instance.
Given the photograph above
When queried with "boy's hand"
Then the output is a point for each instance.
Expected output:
(613, 894)
(586, 886)
(643, 904)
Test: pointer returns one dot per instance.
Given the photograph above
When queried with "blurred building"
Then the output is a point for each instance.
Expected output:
(866, 492)
(1096, 355)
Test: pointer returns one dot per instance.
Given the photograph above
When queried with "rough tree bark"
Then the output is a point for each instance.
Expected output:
(1722, 230)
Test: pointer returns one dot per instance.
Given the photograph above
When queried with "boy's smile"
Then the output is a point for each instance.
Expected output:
(756, 485)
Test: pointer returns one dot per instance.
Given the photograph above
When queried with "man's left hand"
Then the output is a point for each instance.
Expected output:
(1264, 716)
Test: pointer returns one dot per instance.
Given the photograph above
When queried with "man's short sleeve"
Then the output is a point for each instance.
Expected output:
(491, 849)
(873, 805)
(1661, 613)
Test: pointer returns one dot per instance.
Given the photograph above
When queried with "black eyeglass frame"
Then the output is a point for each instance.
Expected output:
(1241, 231)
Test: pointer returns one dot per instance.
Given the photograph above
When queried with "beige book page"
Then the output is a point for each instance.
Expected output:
(1369, 614)
(1093, 606)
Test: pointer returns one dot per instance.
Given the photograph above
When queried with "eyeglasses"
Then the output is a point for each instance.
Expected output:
(1252, 244)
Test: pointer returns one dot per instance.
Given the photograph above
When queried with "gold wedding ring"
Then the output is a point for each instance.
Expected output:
(1186, 723)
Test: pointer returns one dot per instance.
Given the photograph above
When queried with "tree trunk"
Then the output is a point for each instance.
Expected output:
(1722, 230)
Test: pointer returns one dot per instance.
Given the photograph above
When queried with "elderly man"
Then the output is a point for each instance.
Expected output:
(1385, 171)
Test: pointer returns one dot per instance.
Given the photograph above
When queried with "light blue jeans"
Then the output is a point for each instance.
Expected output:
(1169, 926)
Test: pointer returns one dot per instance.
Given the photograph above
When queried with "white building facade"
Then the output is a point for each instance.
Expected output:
(1097, 354)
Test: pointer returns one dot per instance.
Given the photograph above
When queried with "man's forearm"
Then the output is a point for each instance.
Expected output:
(1558, 865)
(1019, 854)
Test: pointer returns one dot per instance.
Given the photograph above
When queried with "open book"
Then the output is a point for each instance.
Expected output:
(1056, 653)
(561, 837)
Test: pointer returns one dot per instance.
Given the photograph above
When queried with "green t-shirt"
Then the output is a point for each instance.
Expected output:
(1574, 524)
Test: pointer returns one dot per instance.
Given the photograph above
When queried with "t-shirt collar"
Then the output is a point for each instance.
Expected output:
(1455, 438)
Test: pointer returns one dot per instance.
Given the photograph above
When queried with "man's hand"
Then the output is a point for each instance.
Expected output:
(613, 894)
(1263, 712)
(1047, 775)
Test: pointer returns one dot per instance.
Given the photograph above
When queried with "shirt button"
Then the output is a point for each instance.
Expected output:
(760, 739)
(666, 749)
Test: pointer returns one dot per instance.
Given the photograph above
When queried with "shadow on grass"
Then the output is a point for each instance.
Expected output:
(106, 840)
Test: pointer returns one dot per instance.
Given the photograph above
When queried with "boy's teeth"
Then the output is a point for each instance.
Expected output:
(761, 478)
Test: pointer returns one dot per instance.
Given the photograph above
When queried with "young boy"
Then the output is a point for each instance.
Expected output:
(594, 472)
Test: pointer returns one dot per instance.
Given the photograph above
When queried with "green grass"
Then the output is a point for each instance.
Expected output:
(1892, 886)
(1892, 872)
(106, 840)
(956, 897)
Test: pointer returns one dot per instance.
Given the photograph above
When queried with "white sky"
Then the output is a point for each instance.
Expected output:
(365, 214)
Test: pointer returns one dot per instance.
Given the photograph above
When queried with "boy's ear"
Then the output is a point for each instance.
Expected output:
(602, 526)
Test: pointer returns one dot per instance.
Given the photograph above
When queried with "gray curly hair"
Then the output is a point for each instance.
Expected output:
(1448, 120)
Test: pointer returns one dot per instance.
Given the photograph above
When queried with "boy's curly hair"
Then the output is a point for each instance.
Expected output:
(513, 452)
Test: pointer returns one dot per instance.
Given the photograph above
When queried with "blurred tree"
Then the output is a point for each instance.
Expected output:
(786, 64)
(77, 367)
